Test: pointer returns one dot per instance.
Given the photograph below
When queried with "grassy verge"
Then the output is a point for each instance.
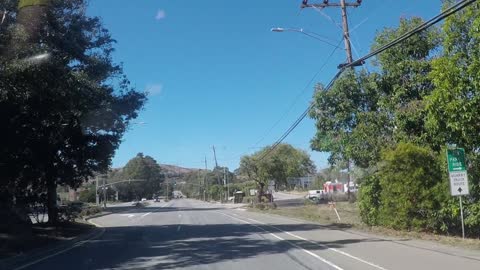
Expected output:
(350, 219)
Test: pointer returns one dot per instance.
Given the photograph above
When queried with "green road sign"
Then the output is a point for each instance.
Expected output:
(457, 172)
(456, 160)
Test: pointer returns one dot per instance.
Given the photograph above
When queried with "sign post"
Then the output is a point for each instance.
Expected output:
(457, 171)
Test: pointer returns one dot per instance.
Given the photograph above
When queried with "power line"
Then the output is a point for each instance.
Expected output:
(299, 119)
(295, 101)
(445, 14)
(307, 86)
(448, 12)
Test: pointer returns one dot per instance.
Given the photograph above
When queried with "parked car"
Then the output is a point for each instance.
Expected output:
(316, 195)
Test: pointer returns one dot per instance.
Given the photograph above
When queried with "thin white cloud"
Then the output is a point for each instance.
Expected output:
(160, 15)
(154, 89)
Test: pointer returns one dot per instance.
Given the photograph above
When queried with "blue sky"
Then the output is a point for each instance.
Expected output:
(219, 76)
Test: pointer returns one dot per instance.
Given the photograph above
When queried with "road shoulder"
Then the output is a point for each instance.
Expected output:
(435, 243)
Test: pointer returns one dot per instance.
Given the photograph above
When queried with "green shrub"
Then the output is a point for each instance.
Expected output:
(411, 188)
(369, 200)
(89, 211)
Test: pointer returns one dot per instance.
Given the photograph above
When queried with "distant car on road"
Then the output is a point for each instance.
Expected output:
(318, 195)
(144, 199)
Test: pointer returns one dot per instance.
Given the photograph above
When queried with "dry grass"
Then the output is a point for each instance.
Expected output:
(350, 219)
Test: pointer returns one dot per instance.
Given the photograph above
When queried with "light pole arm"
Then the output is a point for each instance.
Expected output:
(123, 181)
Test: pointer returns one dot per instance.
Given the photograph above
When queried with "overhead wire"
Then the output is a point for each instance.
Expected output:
(444, 14)
(300, 94)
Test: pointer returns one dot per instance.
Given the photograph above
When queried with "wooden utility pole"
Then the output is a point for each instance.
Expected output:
(225, 182)
(219, 182)
(343, 6)
(215, 156)
(97, 199)
(205, 181)
(104, 193)
(348, 46)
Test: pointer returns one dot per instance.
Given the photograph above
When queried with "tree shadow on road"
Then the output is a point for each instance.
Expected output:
(180, 246)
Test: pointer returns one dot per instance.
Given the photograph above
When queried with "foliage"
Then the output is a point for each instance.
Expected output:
(412, 188)
(283, 162)
(369, 202)
(147, 177)
(88, 194)
(410, 191)
(195, 183)
(423, 92)
(364, 112)
(63, 118)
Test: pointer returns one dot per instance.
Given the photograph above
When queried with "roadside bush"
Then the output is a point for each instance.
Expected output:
(369, 200)
(410, 191)
(87, 195)
(411, 181)
(70, 212)
(265, 206)
(89, 211)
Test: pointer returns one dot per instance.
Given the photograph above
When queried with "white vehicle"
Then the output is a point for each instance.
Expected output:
(144, 199)
(316, 195)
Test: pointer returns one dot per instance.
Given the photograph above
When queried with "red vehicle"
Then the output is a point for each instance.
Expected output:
(332, 187)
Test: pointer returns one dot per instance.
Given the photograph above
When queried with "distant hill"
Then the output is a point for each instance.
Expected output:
(176, 170)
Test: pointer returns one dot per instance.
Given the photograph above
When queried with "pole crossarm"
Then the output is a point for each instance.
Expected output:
(330, 5)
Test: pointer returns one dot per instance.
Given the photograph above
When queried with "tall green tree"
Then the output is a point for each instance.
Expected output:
(149, 179)
(364, 112)
(283, 162)
(454, 106)
(64, 104)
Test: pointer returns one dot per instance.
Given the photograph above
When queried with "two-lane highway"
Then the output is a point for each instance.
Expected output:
(188, 234)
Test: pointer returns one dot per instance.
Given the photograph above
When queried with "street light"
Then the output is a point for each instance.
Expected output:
(310, 34)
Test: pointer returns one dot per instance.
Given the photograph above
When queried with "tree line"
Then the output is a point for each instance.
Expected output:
(64, 103)
(395, 121)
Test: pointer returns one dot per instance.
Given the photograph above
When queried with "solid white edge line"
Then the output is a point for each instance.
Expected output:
(276, 236)
(334, 250)
(292, 244)
(324, 246)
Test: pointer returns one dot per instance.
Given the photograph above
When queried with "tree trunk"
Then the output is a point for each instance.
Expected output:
(52, 201)
(260, 192)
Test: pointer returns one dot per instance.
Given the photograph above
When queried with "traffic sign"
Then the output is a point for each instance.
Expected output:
(457, 171)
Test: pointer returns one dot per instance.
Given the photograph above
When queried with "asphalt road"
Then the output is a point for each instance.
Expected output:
(288, 200)
(187, 234)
